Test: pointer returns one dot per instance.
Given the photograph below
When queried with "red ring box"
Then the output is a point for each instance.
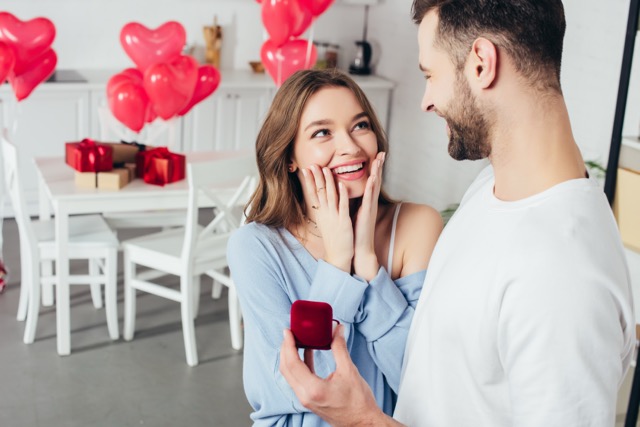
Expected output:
(312, 324)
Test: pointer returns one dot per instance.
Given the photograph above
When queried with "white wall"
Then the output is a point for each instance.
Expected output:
(87, 31)
(419, 167)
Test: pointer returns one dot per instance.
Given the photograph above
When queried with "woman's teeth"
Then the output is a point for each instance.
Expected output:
(350, 168)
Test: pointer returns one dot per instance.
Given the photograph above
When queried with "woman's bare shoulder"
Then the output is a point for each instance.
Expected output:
(418, 229)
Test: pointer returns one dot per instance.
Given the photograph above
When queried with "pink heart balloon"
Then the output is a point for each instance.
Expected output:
(281, 62)
(147, 47)
(34, 73)
(317, 7)
(170, 85)
(127, 75)
(127, 99)
(28, 39)
(7, 61)
(208, 81)
(278, 20)
(302, 18)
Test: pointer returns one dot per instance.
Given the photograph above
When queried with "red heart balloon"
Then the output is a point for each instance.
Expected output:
(208, 81)
(302, 18)
(147, 47)
(127, 75)
(278, 20)
(127, 99)
(7, 61)
(28, 39)
(170, 85)
(317, 7)
(281, 62)
(34, 73)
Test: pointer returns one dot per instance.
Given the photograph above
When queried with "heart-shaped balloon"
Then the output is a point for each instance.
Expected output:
(34, 73)
(127, 99)
(28, 39)
(148, 47)
(281, 62)
(317, 7)
(208, 81)
(278, 20)
(170, 85)
(302, 18)
(7, 61)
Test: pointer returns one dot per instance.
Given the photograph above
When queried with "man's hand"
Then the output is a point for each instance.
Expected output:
(343, 398)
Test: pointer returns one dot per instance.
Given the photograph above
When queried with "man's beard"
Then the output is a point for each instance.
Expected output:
(468, 127)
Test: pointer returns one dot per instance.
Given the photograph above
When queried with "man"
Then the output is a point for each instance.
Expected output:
(525, 318)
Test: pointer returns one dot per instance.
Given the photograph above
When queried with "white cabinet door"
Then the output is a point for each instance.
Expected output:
(40, 125)
(228, 120)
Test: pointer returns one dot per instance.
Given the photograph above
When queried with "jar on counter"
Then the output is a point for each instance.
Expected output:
(321, 49)
(331, 55)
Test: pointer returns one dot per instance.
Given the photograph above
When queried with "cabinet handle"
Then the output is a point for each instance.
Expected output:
(237, 96)
(228, 96)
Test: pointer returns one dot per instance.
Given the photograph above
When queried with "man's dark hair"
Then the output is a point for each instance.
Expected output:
(531, 32)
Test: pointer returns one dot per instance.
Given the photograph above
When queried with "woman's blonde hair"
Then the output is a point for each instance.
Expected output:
(278, 199)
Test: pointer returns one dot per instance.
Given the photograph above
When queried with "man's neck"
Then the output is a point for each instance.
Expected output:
(533, 149)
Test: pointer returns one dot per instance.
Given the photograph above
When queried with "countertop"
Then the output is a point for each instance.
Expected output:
(98, 78)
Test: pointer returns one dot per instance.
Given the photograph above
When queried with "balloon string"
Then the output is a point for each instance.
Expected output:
(279, 59)
(310, 43)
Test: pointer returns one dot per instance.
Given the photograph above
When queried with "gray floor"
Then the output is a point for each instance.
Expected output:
(105, 383)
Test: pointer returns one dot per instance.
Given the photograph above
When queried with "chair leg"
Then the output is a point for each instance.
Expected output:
(129, 299)
(196, 296)
(111, 292)
(25, 283)
(188, 328)
(96, 291)
(47, 288)
(216, 290)
(34, 284)
(235, 319)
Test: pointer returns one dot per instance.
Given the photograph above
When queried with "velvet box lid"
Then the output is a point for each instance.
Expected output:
(312, 324)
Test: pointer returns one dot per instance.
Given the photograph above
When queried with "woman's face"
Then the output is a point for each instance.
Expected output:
(335, 132)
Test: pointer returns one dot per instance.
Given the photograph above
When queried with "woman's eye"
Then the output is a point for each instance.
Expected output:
(362, 125)
(320, 132)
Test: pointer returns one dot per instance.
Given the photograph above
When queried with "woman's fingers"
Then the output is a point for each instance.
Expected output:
(310, 186)
(330, 190)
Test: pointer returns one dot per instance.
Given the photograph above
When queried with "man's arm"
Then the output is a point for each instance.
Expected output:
(343, 398)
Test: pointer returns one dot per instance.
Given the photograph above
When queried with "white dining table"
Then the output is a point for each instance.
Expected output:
(59, 198)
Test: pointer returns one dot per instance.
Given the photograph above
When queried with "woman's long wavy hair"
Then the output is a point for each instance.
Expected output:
(278, 199)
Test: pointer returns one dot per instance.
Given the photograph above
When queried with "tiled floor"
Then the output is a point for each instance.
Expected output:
(104, 383)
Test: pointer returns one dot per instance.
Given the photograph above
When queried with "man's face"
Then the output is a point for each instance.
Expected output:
(449, 95)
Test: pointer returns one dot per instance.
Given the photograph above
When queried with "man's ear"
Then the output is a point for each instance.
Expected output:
(484, 62)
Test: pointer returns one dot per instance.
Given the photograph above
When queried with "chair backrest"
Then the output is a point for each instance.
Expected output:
(13, 183)
(227, 182)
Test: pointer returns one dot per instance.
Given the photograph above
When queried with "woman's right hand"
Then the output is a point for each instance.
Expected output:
(330, 210)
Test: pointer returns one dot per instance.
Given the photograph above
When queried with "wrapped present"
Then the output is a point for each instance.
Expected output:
(114, 179)
(89, 156)
(86, 179)
(159, 166)
(131, 168)
(125, 151)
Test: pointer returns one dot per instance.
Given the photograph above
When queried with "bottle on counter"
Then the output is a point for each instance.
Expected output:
(321, 49)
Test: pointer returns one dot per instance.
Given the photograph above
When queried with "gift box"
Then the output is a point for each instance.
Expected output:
(159, 166)
(89, 156)
(312, 324)
(86, 179)
(125, 152)
(114, 179)
(131, 168)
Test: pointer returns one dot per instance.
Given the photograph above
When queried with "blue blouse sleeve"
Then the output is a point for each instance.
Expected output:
(266, 290)
(384, 319)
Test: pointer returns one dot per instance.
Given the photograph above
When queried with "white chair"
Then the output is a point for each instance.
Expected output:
(90, 238)
(193, 250)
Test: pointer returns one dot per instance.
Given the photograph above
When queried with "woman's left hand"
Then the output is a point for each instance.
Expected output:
(365, 261)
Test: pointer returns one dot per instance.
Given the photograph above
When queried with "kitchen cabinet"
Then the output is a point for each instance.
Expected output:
(228, 120)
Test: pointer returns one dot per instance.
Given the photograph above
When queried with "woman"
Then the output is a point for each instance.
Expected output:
(320, 228)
